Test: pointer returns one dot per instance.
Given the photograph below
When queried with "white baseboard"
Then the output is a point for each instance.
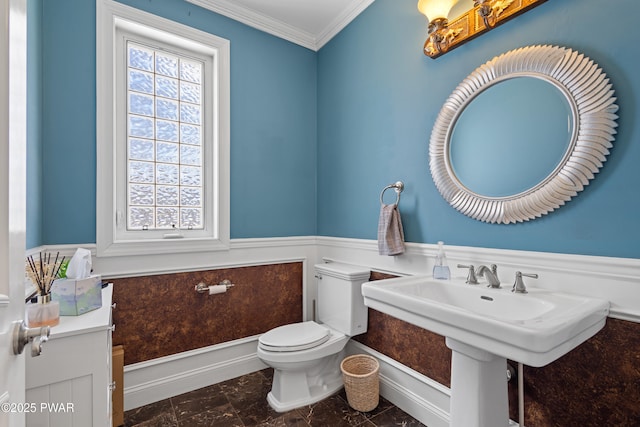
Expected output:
(147, 382)
(161, 378)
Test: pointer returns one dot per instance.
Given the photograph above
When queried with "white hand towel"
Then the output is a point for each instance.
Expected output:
(390, 233)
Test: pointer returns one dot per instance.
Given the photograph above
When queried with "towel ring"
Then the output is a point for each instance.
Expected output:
(398, 187)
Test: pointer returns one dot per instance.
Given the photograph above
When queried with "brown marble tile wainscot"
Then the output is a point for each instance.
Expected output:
(417, 348)
(162, 315)
(594, 385)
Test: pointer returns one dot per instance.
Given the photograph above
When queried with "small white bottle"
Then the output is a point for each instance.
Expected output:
(441, 269)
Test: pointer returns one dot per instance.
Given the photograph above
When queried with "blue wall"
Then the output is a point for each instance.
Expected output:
(316, 136)
(34, 123)
(68, 122)
(379, 96)
(273, 125)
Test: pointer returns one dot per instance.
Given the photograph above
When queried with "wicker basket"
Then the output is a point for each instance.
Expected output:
(361, 383)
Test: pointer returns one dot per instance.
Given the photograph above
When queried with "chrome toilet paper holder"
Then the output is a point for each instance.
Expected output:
(203, 288)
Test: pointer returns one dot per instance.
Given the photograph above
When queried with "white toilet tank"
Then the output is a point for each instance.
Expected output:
(340, 304)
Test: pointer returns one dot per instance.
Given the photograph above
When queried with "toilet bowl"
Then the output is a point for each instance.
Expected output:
(306, 375)
(306, 356)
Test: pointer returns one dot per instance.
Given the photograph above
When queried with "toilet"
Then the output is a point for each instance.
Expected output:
(306, 356)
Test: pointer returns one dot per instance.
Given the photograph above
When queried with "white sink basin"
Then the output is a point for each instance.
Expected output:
(484, 327)
(534, 328)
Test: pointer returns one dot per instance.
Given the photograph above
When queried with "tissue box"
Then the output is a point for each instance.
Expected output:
(77, 296)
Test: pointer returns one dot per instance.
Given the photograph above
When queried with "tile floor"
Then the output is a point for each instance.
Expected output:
(242, 402)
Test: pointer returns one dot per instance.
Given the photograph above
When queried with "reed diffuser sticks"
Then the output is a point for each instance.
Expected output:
(43, 272)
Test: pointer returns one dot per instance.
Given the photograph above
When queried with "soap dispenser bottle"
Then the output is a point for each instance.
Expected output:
(441, 269)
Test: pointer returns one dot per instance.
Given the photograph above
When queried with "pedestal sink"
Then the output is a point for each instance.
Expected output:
(484, 327)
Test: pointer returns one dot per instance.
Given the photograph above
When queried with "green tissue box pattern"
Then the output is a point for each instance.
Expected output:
(77, 296)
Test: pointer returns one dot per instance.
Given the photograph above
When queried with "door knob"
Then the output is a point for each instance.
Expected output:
(22, 335)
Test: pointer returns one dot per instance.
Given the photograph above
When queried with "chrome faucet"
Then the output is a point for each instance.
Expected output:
(518, 286)
(471, 275)
(491, 275)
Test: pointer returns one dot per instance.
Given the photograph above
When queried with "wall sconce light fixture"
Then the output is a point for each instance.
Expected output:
(485, 11)
(446, 34)
(436, 12)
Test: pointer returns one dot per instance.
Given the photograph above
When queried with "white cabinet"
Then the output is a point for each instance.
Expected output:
(69, 384)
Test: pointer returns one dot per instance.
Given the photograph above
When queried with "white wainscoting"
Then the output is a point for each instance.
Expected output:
(614, 279)
(243, 253)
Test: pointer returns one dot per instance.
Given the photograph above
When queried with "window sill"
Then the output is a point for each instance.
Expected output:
(161, 246)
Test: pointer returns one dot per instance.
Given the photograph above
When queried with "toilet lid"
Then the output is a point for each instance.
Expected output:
(294, 337)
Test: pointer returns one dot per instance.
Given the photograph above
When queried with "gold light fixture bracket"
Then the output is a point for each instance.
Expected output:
(485, 15)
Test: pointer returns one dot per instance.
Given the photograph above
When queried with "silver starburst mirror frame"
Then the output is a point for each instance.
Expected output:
(593, 105)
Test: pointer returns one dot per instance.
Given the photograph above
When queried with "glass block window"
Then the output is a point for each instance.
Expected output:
(164, 140)
(162, 135)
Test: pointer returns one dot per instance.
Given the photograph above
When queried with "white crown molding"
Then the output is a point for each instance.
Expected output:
(282, 29)
(349, 13)
(259, 21)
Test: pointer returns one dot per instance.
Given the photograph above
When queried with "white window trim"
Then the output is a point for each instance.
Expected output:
(111, 15)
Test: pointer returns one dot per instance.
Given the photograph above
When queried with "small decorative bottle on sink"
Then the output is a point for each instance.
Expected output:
(441, 269)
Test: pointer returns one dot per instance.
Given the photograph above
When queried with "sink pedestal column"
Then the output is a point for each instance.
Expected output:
(478, 387)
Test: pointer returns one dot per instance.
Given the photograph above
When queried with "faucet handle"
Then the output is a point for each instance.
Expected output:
(519, 286)
(471, 276)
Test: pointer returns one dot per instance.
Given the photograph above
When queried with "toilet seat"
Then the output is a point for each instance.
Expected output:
(294, 337)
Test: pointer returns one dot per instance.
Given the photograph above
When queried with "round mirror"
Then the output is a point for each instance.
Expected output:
(494, 157)
(523, 134)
